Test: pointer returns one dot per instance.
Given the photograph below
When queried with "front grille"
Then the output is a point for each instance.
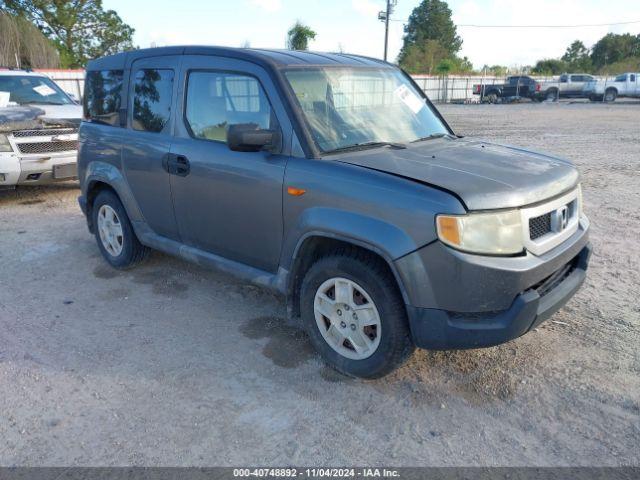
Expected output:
(47, 147)
(44, 132)
(539, 226)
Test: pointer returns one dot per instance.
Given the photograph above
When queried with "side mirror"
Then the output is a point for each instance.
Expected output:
(248, 137)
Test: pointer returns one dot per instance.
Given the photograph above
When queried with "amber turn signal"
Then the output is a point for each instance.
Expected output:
(448, 229)
(296, 192)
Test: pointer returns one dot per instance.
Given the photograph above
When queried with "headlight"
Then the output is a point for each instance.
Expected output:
(579, 200)
(498, 233)
(5, 146)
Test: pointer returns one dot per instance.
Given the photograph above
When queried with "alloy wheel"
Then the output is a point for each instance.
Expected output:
(347, 318)
(110, 230)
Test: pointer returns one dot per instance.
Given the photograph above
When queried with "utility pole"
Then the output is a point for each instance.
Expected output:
(384, 16)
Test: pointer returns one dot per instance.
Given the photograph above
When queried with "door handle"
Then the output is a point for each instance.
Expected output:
(182, 166)
(177, 165)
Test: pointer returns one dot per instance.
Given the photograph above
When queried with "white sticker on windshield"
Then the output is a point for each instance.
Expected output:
(409, 98)
(44, 90)
(4, 99)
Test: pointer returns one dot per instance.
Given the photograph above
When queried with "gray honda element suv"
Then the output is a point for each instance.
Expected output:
(332, 179)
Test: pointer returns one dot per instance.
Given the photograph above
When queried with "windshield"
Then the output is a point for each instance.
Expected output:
(24, 89)
(346, 107)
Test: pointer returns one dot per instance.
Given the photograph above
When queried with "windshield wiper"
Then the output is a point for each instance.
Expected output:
(366, 145)
(433, 136)
(39, 102)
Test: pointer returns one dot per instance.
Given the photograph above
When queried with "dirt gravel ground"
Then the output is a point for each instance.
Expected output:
(171, 364)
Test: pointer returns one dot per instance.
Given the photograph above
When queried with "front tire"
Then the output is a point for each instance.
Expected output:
(113, 231)
(354, 314)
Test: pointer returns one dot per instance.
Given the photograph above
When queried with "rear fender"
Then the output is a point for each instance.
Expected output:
(102, 172)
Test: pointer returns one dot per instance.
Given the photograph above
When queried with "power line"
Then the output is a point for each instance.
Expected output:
(550, 26)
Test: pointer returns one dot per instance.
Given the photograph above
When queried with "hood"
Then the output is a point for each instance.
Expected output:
(483, 175)
(28, 117)
(16, 118)
(62, 112)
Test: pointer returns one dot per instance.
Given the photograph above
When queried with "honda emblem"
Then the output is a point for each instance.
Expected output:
(560, 219)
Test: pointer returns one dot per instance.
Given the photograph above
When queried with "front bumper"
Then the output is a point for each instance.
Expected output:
(460, 300)
(34, 170)
(441, 330)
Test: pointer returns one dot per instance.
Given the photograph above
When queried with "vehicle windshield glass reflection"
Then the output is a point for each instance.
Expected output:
(347, 107)
(34, 90)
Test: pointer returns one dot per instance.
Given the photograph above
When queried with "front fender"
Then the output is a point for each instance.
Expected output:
(384, 239)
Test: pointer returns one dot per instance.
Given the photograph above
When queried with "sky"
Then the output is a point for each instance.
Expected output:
(352, 25)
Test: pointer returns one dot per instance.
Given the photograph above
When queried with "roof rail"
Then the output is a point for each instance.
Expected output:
(7, 67)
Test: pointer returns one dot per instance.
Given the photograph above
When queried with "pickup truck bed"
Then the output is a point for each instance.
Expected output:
(515, 87)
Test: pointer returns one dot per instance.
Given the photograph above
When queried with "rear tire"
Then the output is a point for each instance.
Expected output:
(113, 231)
(610, 95)
(361, 328)
(491, 98)
(551, 96)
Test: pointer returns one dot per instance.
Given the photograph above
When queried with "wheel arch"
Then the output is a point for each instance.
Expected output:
(316, 244)
(103, 175)
(93, 190)
(611, 89)
(492, 91)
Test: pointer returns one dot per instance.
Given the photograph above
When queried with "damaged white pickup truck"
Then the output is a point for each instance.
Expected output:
(38, 130)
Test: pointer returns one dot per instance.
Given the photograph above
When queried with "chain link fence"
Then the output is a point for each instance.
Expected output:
(459, 89)
(449, 89)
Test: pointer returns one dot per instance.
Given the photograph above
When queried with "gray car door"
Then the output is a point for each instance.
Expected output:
(576, 86)
(228, 203)
(147, 139)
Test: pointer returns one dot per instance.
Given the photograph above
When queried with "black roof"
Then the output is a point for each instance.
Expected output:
(273, 58)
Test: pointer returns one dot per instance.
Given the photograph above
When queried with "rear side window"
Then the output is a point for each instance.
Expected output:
(216, 100)
(153, 90)
(102, 96)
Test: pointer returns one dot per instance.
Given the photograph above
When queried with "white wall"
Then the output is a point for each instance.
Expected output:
(71, 81)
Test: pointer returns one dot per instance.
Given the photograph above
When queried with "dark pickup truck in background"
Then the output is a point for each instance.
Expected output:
(517, 86)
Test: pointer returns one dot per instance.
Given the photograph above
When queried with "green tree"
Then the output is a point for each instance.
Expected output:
(549, 66)
(81, 29)
(497, 70)
(424, 58)
(298, 37)
(462, 65)
(430, 20)
(630, 64)
(615, 48)
(445, 67)
(23, 45)
(577, 57)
